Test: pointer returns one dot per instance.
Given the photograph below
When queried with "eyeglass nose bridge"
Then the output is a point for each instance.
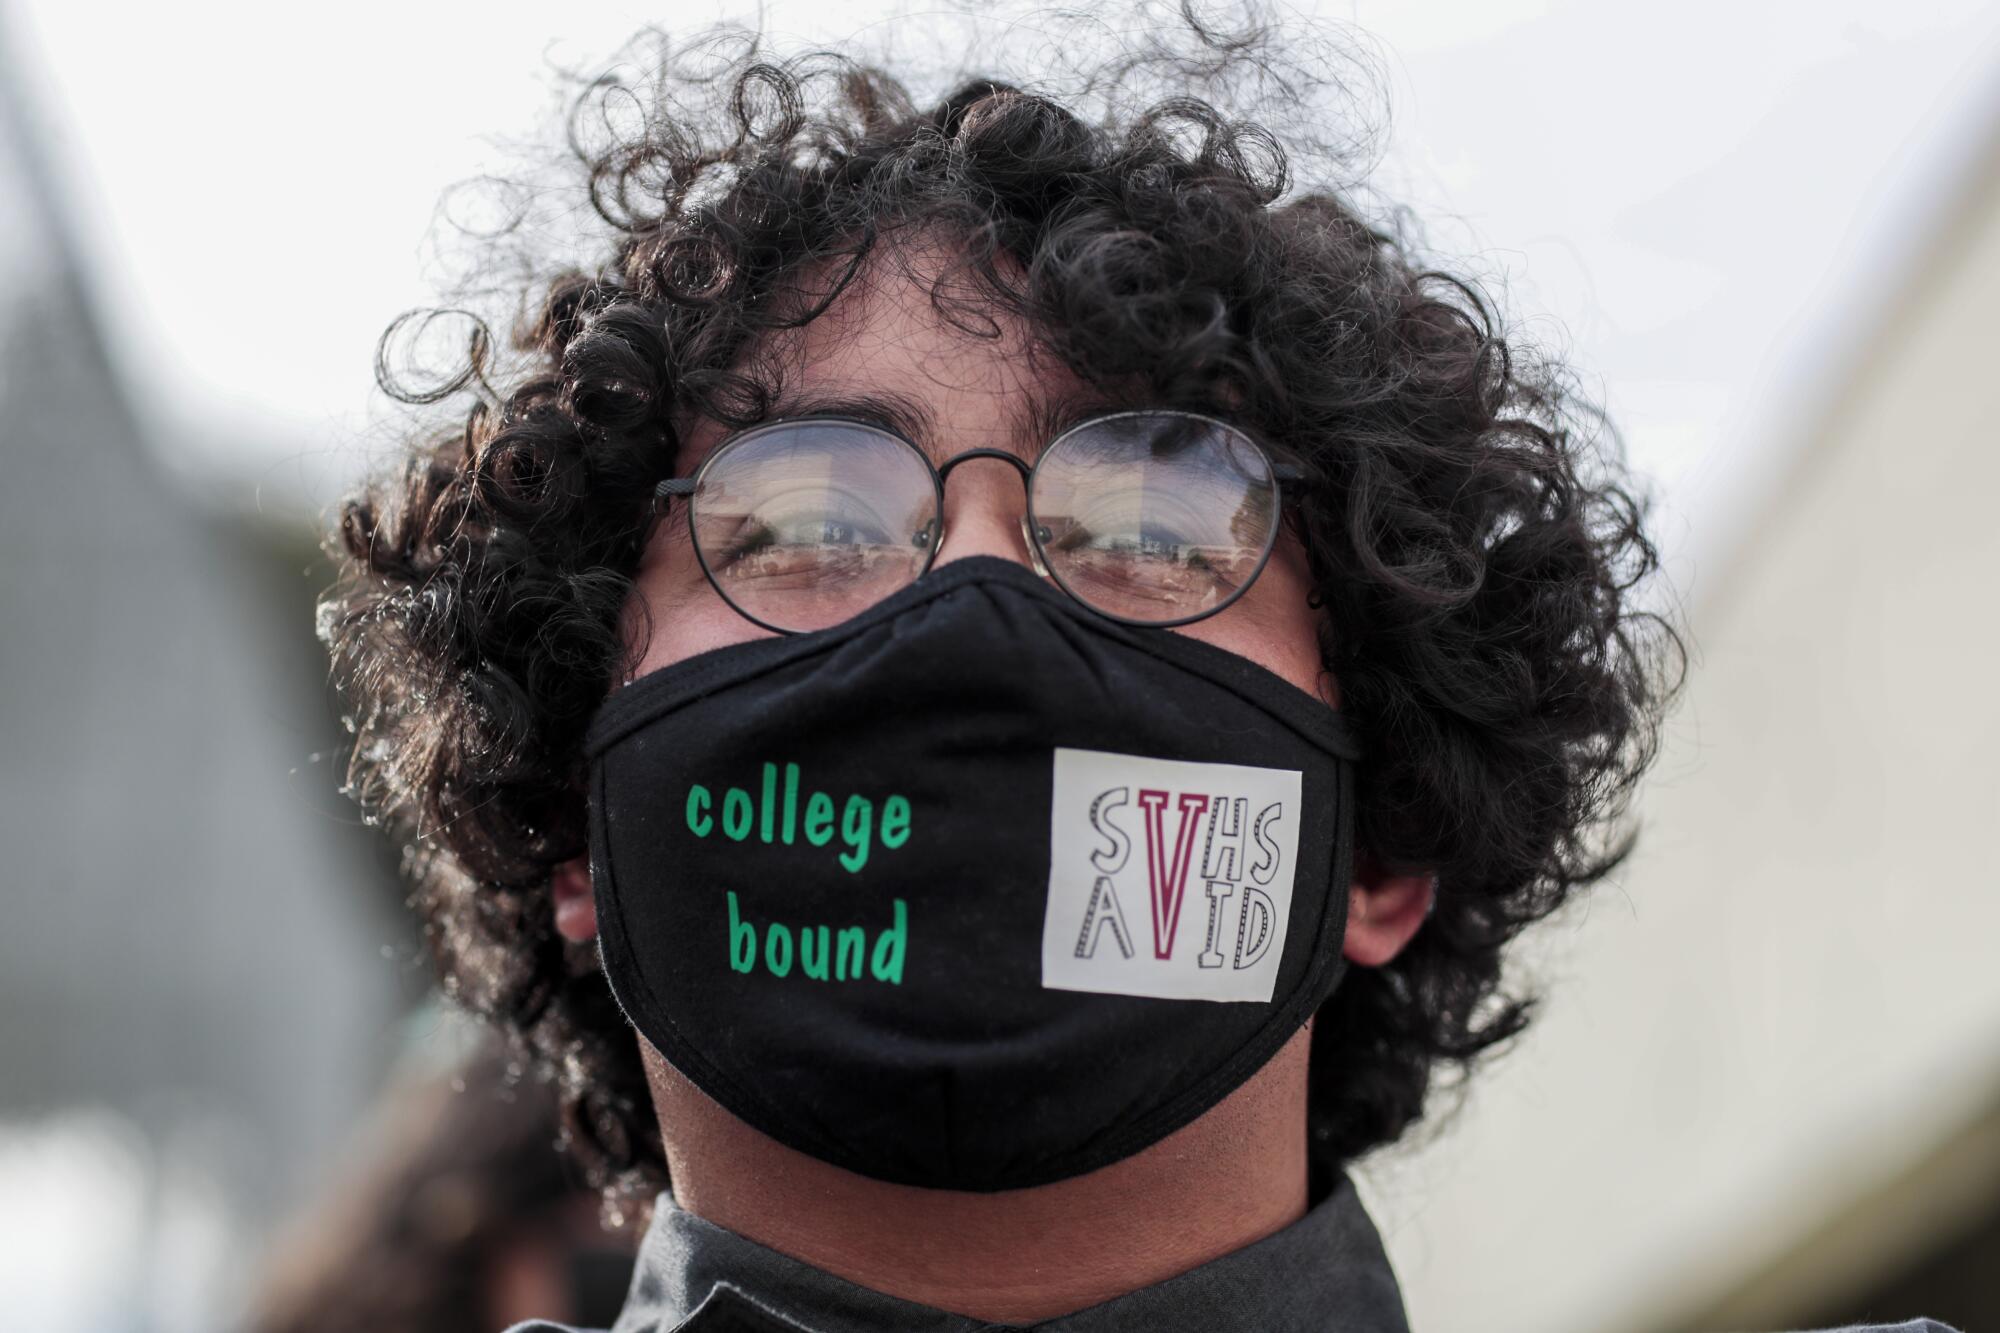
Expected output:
(1020, 465)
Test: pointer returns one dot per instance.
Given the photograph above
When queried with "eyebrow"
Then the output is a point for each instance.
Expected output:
(1046, 416)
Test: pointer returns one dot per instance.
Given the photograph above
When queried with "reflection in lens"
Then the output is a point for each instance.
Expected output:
(805, 523)
(1155, 516)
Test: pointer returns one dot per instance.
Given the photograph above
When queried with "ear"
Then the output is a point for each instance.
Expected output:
(1384, 909)
(576, 907)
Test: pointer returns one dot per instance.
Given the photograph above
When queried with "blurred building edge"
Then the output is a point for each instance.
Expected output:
(193, 951)
(1925, 1239)
(453, 1212)
(1857, 635)
(1764, 1089)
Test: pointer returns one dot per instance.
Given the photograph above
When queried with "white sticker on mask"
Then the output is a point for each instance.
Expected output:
(1168, 878)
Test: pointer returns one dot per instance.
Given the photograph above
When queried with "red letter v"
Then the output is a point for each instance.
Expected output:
(1168, 880)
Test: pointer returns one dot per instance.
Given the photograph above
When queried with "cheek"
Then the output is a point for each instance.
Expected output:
(1272, 625)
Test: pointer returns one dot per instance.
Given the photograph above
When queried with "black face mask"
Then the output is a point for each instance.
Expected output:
(977, 890)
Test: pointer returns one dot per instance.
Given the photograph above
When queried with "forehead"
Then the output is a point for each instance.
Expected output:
(973, 375)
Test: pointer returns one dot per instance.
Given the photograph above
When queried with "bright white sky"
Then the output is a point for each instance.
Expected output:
(1701, 205)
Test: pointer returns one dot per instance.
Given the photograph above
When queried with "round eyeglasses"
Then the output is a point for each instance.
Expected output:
(1153, 517)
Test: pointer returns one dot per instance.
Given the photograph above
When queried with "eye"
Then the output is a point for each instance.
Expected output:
(1151, 539)
(761, 540)
(838, 532)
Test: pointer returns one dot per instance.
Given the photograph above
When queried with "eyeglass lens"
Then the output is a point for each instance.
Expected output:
(804, 524)
(1153, 517)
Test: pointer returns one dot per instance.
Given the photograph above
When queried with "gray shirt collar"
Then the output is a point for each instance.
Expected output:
(1326, 1271)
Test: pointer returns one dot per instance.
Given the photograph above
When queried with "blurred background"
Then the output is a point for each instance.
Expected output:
(1765, 1090)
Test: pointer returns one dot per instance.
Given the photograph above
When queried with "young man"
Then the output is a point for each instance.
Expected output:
(987, 702)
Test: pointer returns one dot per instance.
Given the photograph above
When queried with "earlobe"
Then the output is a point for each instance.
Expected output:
(575, 905)
(1384, 910)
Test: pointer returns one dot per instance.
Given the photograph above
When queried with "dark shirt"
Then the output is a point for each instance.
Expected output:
(1325, 1273)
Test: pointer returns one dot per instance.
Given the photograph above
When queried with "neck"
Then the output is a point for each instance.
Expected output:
(1231, 1177)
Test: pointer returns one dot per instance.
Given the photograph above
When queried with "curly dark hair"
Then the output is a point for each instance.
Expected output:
(1476, 543)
